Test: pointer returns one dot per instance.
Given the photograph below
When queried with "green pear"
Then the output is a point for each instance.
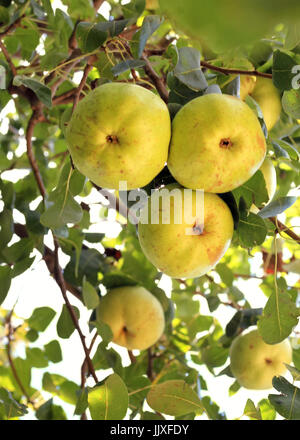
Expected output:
(217, 143)
(135, 316)
(254, 363)
(268, 98)
(269, 173)
(119, 132)
(169, 244)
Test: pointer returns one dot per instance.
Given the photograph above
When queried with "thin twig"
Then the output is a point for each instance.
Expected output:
(8, 59)
(35, 117)
(10, 332)
(283, 228)
(61, 283)
(86, 71)
(235, 71)
(157, 81)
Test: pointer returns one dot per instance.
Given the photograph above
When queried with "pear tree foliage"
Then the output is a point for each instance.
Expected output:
(46, 219)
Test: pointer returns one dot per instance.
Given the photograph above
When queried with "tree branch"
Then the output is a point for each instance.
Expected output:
(283, 228)
(226, 71)
(35, 118)
(10, 332)
(8, 59)
(156, 80)
(61, 283)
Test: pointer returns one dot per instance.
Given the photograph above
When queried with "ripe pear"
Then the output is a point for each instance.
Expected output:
(217, 143)
(254, 363)
(119, 132)
(170, 247)
(268, 98)
(247, 84)
(269, 173)
(134, 315)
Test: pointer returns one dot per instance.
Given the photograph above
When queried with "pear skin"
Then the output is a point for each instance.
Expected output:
(134, 315)
(221, 140)
(254, 363)
(171, 249)
(119, 132)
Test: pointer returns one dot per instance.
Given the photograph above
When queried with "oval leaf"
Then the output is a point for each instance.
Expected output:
(110, 400)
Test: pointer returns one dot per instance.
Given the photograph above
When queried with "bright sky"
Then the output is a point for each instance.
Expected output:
(35, 288)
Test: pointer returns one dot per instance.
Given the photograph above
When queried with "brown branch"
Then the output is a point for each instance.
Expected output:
(283, 228)
(11, 27)
(150, 373)
(131, 357)
(156, 80)
(10, 332)
(61, 283)
(86, 71)
(48, 256)
(226, 71)
(8, 59)
(35, 118)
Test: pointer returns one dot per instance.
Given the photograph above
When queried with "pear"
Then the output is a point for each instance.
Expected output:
(134, 315)
(254, 363)
(119, 132)
(221, 140)
(268, 98)
(181, 247)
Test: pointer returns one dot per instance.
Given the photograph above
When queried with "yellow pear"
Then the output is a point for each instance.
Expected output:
(268, 98)
(134, 315)
(254, 363)
(168, 242)
(269, 173)
(247, 84)
(119, 132)
(217, 143)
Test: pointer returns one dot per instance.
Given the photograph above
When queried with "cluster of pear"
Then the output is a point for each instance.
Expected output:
(123, 132)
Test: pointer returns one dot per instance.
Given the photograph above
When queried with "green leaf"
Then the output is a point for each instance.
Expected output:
(65, 326)
(90, 296)
(287, 403)
(36, 357)
(18, 251)
(53, 351)
(134, 8)
(294, 372)
(7, 227)
(103, 330)
(251, 230)
(42, 92)
(279, 317)
(291, 103)
(123, 66)
(61, 387)
(90, 263)
(179, 92)
(138, 42)
(251, 411)
(188, 69)
(175, 398)
(28, 39)
(41, 318)
(110, 400)
(92, 35)
(61, 205)
(252, 191)
(5, 280)
(293, 37)
(277, 207)
(82, 402)
(11, 407)
(266, 409)
(49, 411)
(282, 70)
